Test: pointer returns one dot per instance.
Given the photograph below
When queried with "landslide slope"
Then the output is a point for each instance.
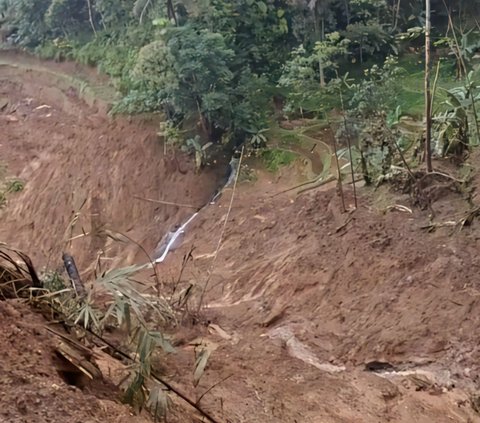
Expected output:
(84, 171)
(329, 316)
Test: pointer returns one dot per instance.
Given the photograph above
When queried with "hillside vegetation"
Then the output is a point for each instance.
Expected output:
(227, 69)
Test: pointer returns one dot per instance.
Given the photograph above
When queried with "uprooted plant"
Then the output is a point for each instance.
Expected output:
(126, 308)
(115, 300)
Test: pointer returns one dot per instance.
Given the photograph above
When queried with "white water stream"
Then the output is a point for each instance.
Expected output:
(170, 240)
(175, 236)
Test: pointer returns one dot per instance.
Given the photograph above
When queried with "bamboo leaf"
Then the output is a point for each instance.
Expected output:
(205, 351)
(157, 402)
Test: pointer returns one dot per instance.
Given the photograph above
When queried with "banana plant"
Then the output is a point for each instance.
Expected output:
(452, 126)
(194, 146)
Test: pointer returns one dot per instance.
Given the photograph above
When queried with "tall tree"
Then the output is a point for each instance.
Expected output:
(428, 94)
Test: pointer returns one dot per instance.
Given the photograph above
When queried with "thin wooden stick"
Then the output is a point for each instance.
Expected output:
(435, 83)
(214, 386)
(428, 94)
(349, 143)
(90, 17)
(220, 240)
(168, 203)
(339, 173)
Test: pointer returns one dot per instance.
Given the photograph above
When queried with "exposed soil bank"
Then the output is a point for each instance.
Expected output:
(81, 166)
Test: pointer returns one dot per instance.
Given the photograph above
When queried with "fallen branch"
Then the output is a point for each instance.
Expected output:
(400, 208)
(445, 175)
(432, 226)
(167, 203)
(17, 274)
(157, 378)
(344, 225)
(213, 386)
(466, 220)
(115, 353)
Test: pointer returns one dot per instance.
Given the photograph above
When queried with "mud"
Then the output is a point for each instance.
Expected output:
(300, 298)
(338, 291)
(85, 173)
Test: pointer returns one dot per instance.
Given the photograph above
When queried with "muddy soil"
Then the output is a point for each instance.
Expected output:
(85, 173)
(314, 315)
(31, 382)
(328, 316)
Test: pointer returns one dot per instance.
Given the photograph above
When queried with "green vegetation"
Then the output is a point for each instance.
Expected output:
(14, 185)
(275, 158)
(8, 186)
(203, 67)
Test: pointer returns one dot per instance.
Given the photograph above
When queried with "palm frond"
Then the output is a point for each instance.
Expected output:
(17, 273)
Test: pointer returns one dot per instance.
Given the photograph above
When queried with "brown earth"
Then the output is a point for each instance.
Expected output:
(31, 383)
(77, 161)
(315, 315)
(308, 300)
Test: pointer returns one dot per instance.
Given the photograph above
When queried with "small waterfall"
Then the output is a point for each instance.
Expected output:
(172, 240)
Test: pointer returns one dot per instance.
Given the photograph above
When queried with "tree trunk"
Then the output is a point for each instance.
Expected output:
(428, 94)
(396, 14)
(319, 36)
(74, 276)
(171, 12)
(90, 16)
(322, 70)
(361, 51)
(347, 11)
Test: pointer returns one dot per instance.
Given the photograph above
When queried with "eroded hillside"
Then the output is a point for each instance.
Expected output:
(315, 315)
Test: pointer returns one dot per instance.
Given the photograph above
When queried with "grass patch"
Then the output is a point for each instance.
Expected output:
(275, 158)
(14, 185)
(412, 95)
(8, 186)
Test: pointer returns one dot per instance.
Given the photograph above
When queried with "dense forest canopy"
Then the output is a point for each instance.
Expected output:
(221, 63)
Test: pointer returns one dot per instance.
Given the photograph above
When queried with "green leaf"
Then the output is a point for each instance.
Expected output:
(157, 402)
(201, 361)
(160, 22)
(262, 6)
